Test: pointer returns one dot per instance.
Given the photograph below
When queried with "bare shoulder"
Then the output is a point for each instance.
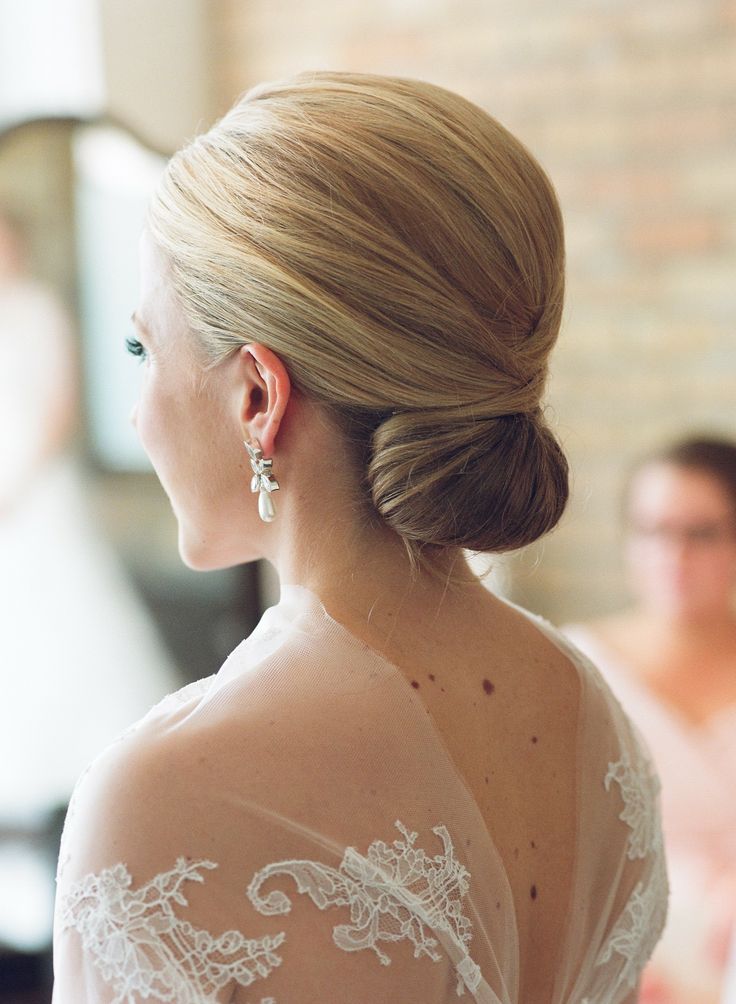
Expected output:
(259, 742)
(138, 785)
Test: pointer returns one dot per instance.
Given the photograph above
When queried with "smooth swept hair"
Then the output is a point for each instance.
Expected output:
(403, 254)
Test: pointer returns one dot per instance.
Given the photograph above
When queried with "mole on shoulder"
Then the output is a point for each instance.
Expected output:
(533, 846)
(535, 739)
(431, 676)
(486, 779)
(533, 892)
(498, 904)
(415, 685)
(488, 687)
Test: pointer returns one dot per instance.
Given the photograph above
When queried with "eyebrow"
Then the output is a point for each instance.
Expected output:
(139, 323)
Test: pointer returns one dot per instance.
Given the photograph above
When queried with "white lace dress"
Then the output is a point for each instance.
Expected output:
(294, 829)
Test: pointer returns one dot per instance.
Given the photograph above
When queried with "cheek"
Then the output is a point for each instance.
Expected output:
(645, 560)
(157, 421)
(657, 571)
(718, 569)
(145, 422)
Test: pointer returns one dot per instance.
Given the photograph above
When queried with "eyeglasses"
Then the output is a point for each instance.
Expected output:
(705, 534)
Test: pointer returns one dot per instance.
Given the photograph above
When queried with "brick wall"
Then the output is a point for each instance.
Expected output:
(630, 106)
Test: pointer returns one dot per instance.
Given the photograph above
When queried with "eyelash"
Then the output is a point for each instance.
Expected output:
(135, 348)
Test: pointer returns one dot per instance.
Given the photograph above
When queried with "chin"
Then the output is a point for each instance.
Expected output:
(200, 558)
(203, 555)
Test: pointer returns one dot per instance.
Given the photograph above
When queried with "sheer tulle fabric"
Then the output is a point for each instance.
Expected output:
(697, 764)
(364, 873)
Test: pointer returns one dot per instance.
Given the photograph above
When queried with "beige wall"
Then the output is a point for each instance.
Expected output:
(631, 108)
(158, 72)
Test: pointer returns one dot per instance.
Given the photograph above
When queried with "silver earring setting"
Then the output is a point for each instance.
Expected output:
(262, 481)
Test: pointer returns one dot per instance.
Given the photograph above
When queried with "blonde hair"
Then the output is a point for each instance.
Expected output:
(403, 254)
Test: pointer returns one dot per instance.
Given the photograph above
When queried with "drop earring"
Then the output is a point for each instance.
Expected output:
(262, 481)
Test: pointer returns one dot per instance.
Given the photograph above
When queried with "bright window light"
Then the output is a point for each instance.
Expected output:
(50, 59)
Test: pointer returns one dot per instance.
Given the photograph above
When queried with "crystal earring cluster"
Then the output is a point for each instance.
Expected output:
(262, 481)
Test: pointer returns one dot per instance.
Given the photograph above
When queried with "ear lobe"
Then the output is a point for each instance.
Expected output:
(267, 391)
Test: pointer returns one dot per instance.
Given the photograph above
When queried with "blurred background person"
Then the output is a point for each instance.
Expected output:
(671, 660)
(72, 632)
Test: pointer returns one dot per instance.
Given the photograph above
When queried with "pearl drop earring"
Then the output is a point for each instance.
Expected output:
(262, 481)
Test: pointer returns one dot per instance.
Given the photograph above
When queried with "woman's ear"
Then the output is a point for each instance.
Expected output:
(265, 392)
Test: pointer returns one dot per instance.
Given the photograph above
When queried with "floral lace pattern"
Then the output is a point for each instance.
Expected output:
(394, 892)
(393, 897)
(639, 790)
(140, 945)
(639, 927)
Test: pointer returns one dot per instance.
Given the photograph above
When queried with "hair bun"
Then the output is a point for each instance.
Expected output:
(403, 254)
(492, 484)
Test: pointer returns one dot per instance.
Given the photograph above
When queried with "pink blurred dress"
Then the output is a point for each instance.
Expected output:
(697, 768)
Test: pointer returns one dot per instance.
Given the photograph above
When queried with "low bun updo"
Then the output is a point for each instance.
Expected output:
(488, 485)
(403, 254)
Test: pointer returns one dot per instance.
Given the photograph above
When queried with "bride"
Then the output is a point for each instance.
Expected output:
(400, 787)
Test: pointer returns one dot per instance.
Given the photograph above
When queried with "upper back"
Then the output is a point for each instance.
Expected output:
(517, 713)
(505, 701)
(311, 758)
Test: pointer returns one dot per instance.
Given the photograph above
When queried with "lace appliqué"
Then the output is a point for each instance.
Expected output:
(641, 923)
(140, 945)
(394, 892)
(639, 791)
(639, 928)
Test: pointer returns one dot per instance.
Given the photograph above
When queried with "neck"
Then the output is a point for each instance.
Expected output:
(360, 568)
(706, 626)
(328, 540)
